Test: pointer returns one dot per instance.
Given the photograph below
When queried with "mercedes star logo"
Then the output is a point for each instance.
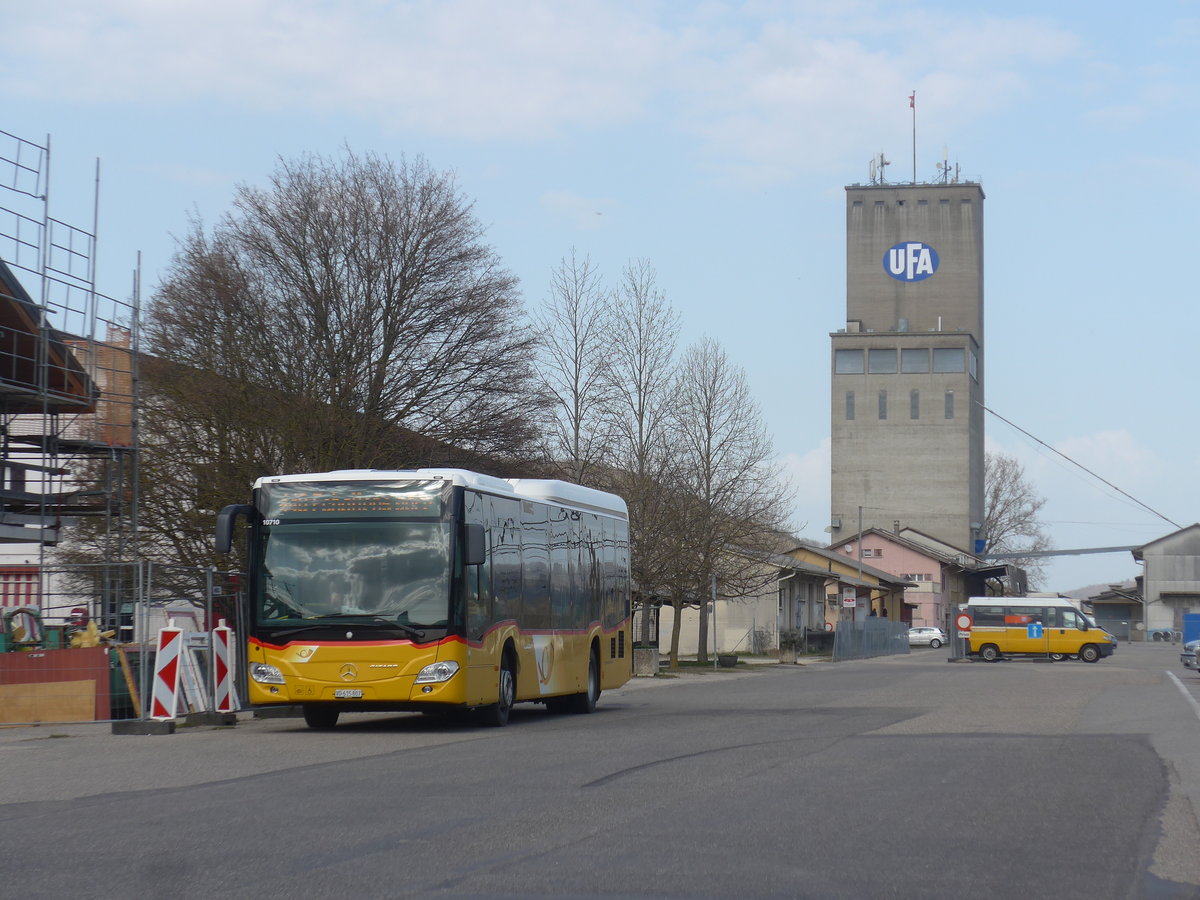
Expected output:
(348, 672)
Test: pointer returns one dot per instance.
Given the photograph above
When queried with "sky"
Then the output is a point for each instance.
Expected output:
(714, 140)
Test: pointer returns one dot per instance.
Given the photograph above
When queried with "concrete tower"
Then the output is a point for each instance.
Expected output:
(907, 414)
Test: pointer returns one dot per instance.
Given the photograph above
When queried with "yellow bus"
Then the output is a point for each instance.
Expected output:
(1044, 626)
(432, 590)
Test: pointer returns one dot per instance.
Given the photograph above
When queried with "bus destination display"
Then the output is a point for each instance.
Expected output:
(351, 501)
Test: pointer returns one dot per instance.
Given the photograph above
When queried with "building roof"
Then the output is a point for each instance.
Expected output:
(1139, 552)
(65, 386)
(832, 556)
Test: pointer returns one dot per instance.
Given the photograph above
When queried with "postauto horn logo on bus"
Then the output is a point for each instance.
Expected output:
(910, 261)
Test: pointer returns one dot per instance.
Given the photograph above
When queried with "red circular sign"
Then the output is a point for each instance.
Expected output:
(963, 622)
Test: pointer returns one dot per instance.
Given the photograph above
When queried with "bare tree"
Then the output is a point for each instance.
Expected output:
(642, 338)
(1011, 507)
(644, 330)
(736, 497)
(574, 326)
(347, 315)
(379, 271)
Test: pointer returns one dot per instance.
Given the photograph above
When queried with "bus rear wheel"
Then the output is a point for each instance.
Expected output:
(989, 652)
(1089, 653)
(320, 717)
(586, 702)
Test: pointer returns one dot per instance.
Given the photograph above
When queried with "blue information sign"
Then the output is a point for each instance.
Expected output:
(1034, 630)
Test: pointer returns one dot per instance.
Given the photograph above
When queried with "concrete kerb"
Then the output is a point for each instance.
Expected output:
(746, 667)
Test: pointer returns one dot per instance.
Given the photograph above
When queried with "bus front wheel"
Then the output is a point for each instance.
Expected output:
(1089, 653)
(989, 652)
(496, 715)
(321, 717)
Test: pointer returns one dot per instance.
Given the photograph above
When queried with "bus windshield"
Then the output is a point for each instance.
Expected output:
(399, 571)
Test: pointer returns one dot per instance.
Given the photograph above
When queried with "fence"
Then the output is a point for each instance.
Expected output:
(77, 643)
(873, 636)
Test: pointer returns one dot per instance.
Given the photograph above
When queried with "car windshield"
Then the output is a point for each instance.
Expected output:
(399, 571)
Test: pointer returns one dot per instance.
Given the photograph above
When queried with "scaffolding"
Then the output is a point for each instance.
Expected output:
(68, 391)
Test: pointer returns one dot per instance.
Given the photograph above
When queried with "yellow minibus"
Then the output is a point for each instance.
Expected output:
(1044, 626)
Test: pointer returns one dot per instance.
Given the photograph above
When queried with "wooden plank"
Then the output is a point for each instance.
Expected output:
(50, 701)
(134, 697)
(45, 666)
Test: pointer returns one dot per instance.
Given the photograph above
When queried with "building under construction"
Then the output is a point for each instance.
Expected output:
(68, 376)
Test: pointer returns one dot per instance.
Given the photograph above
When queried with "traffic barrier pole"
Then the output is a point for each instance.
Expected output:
(166, 673)
(223, 676)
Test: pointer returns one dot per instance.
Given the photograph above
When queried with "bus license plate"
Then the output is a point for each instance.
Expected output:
(348, 694)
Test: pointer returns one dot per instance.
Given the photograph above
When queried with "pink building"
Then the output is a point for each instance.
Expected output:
(940, 576)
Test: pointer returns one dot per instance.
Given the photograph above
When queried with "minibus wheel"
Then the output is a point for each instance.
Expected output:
(989, 652)
(1089, 653)
(1058, 657)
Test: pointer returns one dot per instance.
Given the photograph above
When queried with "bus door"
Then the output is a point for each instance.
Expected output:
(481, 651)
(1026, 630)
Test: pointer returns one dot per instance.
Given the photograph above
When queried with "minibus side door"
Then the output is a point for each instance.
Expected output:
(1027, 631)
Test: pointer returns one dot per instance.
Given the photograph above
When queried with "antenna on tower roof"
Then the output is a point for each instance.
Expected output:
(944, 165)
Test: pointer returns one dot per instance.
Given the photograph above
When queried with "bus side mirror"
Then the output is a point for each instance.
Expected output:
(1083, 625)
(475, 546)
(226, 519)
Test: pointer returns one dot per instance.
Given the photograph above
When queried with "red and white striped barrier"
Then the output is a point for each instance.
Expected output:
(222, 674)
(166, 673)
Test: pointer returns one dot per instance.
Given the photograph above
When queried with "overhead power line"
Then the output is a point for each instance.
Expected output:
(1081, 466)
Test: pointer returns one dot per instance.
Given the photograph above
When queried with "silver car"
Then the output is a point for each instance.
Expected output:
(926, 635)
(1191, 650)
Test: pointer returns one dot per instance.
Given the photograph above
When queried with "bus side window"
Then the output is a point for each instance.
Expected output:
(506, 558)
(535, 564)
(988, 615)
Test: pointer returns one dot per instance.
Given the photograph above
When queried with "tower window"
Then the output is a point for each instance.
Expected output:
(947, 359)
(914, 404)
(849, 405)
(883, 404)
(949, 404)
(881, 361)
(848, 362)
(914, 360)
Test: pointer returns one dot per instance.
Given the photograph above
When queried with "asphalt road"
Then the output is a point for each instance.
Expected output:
(899, 777)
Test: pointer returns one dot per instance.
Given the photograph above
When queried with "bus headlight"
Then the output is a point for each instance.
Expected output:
(437, 672)
(264, 674)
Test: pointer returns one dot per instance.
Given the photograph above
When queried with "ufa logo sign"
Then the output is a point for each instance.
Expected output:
(910, 261)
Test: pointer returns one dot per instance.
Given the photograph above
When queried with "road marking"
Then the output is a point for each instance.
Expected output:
(1187, 695)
